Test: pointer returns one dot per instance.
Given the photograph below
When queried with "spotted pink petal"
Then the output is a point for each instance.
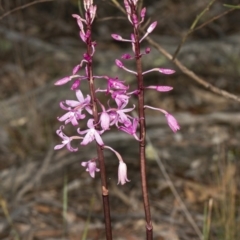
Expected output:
(172, 122)
(63, 81)
(166, 71)
(76, 69)
(160, 88)
(116, 37)
(152, 27)
(119, 63)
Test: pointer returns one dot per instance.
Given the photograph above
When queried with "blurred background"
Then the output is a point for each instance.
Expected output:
(194, 185)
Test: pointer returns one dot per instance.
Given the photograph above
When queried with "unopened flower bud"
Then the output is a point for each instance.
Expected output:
(126, 56)
(160, 88)
(116, 37)
(166, 71)
(76, 84)
(119, 63)
(143, 12)
(152, 27)
(122, 173)
(172, 122)
(63, 81)
(147, 50)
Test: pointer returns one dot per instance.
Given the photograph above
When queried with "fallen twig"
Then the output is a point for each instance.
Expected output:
(191, 74)
(22, 7)
(38, 175)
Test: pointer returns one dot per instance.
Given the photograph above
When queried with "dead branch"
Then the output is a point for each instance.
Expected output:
(38, 174)
(191, 74)
(23, 7)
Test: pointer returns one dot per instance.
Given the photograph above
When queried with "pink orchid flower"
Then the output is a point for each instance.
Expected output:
(66, 141)
(91, 167)
(91, 134)
(75, 108)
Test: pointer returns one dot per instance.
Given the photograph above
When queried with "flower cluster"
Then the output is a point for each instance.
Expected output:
(130, 6)
(117, 113)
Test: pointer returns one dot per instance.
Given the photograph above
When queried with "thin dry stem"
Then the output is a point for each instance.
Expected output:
(22, 7)
(192, 75)
(190, 30)
(174, 190)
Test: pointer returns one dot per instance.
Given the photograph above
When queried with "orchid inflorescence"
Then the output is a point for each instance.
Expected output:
(117, 112)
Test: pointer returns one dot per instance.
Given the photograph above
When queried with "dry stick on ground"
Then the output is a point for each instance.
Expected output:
(22, 7)
(191, 74)
(174, 190)
(172, 187)
(213, 19)
(193, 29)
(38, 175)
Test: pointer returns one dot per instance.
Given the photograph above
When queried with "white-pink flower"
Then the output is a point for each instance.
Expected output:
(66, 141)
(172, 122)
(75, 108)
(131, 129)
(120, 98)
(105, 120)
(122, 173)
(91, 134)
(91, 167)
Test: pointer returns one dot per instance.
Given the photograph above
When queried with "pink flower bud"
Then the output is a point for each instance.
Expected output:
(126, 56)
(87, 57)
(116, 37)
(134, 19)
(160, 88)
(63, 81)
(105, 121)
(76, 84)
(122, 173)
(93, 10)
(172, 122)
(87, 4)
(147, 50)
(166, 71)
(119, 63)
(76, 69)
(143, 12)
(151, 27)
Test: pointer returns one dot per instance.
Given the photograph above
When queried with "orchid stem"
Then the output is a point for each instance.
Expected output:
(105, 196)
(142, 143)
